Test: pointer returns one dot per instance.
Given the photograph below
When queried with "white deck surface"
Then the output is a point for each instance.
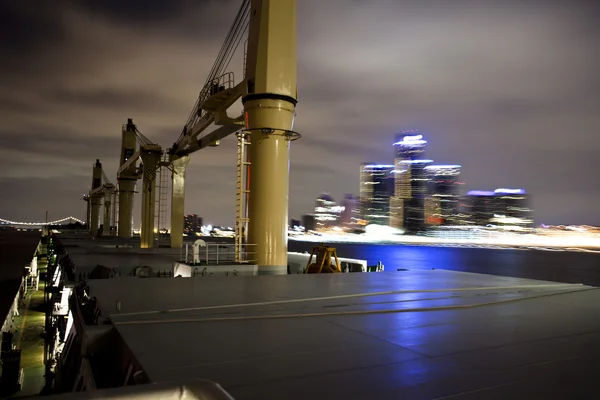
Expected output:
(533, 339)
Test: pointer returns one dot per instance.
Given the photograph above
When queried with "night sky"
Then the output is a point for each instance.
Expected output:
(508, 89)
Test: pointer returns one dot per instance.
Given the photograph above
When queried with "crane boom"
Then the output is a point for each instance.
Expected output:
(269, 96)
(130, 161)
(216, 99)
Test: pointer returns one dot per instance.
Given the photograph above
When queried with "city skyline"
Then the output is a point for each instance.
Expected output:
(508, 102)
(415, 194)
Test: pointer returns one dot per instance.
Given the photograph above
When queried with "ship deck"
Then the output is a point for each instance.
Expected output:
(420, 334)
(123, 256)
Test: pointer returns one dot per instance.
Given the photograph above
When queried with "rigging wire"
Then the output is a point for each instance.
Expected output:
(241, 29)
(224, 57)
(141, 139)
(105, 178)
(238, 41)
(229, 40)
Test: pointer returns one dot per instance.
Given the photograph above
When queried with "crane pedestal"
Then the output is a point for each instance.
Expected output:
(269, 108)
(179, 166)
(127, 179)
(107, 215)
(96, 198)
(269, 122)
(95, 204)
(150, 155)
(126, 191)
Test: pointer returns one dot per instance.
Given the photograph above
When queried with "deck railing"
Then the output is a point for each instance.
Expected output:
(217, 253)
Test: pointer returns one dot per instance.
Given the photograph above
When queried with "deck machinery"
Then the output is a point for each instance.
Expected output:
(101, 195)
(269, 96)
(129, 172)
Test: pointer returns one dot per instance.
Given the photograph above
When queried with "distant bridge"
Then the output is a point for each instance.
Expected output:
(71, 219)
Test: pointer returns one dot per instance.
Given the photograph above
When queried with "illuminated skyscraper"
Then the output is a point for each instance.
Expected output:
(192, 223)
(327, 212)
(512, 208)
(308, 221)
(410, 145)
(441, 205)
(506, 208)
(376, 188)
(479, 206)
(414, 206)
(410, 182)
(350, 212)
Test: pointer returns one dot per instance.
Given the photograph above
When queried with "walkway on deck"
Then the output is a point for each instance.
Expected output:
(30, 339)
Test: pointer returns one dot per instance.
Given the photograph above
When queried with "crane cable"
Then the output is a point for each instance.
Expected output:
(237, 43)
(241, 16)
(106, 180)
(232, 40)
(225, 55)
(141, 139)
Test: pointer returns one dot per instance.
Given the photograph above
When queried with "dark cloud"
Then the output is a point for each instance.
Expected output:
(27, 25)
(134, 11)
(60, 196)
(332, 146)
(507, 89)
(109, 98)
(71, 144)
(13, 105)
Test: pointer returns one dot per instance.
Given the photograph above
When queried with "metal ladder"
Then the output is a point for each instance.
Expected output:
(241, 195)
(162, 185)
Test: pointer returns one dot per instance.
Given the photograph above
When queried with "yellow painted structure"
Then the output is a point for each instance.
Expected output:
(108, 195)
(95, 199)
(269, 108)
(150, 155)
(325, 260)
(127, 180)
(269, 96)
(179, 165)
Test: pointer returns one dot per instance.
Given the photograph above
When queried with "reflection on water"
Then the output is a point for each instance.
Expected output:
(564, 266)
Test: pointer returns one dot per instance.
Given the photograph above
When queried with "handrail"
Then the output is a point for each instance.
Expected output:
(214, 86)
(215, 253)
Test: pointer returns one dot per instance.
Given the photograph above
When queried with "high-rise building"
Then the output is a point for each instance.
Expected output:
(414, 206)
(192, 223)
(507, 208)
(308, 221)
(327, 211)
(479, 207)
(350, 211)
(512, 208)
(410, 145)
(410, 182)
(376, 189)
(441, 204)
